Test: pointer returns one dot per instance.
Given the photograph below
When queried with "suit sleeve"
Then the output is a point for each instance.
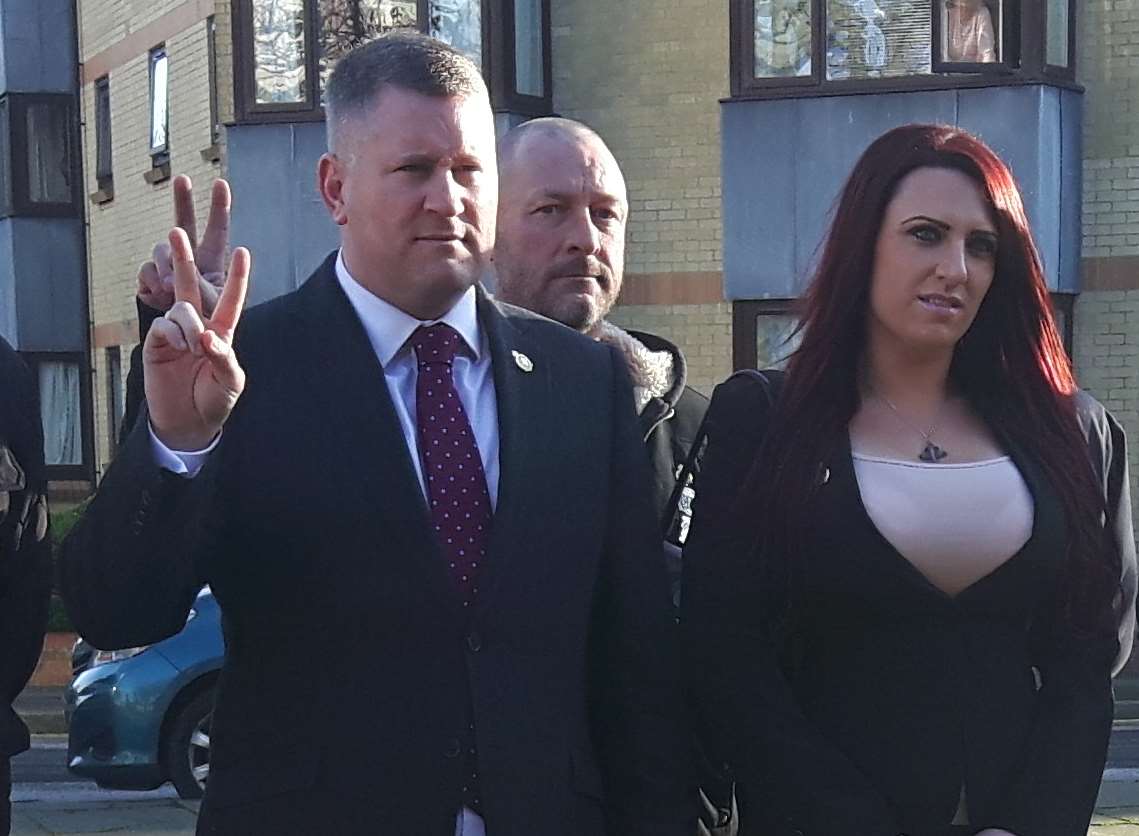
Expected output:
(130, 569)
(789, 777)
(636, 703)
(25, 549)
(1055, 792)
(136, 392)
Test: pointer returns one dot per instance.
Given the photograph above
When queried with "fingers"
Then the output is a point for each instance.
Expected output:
(185, 270)
(164, 334)
(210, 293)
(223, 363)
(189, 323)
(184, 208)
(211, 249)
(151, 290)
(232, 299)
(163, 259)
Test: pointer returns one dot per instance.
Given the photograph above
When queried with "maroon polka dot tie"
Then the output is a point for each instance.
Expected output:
(456, 482)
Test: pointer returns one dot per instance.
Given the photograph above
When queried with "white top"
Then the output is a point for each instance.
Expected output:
(388, 329)
(956, 523)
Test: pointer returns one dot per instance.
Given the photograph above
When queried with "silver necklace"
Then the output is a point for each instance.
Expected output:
(930, 452)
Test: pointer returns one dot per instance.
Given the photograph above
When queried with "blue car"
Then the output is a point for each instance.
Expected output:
(140, 717)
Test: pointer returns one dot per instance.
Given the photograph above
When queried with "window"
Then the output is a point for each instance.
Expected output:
(810, 47)
(286, 49)
(104, 174)
(1058, 33)
(764, 333)
(212, 57)
(115, 402)
(65, 411)
(38, 167)
(159, 112)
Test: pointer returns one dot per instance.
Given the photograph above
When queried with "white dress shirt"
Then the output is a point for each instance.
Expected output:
(388, 329)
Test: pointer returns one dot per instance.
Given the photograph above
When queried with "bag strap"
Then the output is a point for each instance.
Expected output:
(688, 468)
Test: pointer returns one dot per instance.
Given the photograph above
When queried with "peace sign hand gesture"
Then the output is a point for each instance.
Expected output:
(192, 376)
(156, 277)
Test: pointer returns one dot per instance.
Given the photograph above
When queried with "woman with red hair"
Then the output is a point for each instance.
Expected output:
(911, 572)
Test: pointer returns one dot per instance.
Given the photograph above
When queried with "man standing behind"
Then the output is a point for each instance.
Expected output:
(560, 251)
(25, 554)
(444, 605)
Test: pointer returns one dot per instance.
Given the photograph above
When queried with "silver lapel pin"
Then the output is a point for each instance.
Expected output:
(522, 361)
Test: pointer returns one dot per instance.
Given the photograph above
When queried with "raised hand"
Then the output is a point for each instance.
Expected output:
(193, 379)
(156, 277)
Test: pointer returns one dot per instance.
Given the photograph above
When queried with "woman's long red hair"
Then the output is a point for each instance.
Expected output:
(1011, 364)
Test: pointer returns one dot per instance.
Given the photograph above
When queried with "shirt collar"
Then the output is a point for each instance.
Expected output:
(389, 328)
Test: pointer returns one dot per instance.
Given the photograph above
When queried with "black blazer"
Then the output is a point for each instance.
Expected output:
(25, 550)
(351, 664)
(864, 710)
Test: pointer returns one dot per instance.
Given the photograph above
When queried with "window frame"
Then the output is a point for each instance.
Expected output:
(85, 470)
(1010, 37)
(1024, 36)
(114, 380)
(159, 155)
(212, 59)
(1067, 72)
(17, 201)
(104, 147)
(498, 65)
(745, 331)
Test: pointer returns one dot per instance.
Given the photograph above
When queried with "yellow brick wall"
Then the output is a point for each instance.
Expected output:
(648, 76)
(1106, 327)
(122, 232)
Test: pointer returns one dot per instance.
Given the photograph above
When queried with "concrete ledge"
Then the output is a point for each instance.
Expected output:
(1119, 789)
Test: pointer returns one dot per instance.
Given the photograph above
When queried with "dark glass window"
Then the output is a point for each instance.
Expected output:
(115, 401)
(212, 56)
(104, 172)
(159, 109)
(286, 49)
(808, 47)
(38, 170)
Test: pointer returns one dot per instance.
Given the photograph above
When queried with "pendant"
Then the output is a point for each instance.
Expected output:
(932, 453)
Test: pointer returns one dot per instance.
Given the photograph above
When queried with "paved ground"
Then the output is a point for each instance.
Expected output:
(1122, 822)
(49, 801)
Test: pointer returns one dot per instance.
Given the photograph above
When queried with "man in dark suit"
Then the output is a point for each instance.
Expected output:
(445, 608)
(25, 554)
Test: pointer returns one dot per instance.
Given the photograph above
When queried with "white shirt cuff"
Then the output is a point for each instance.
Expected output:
(184, 463)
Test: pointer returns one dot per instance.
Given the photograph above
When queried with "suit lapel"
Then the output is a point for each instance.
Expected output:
(367, 440)
(524, 394)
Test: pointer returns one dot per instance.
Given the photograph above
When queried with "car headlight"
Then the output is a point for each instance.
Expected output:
(102, 657)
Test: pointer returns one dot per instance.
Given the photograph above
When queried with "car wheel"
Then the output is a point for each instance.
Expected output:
(186, 753)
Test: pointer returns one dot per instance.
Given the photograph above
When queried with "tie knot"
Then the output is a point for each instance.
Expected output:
(438, 343)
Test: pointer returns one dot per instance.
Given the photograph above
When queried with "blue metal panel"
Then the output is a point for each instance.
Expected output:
(759, 187)
(777, 204)
(277, 210)
(1071, 189)
(834, 133)
(38, 50)
(50, 287)
(8, 323)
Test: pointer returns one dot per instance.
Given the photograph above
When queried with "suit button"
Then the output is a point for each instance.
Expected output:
(474, 641)
(454, 749)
